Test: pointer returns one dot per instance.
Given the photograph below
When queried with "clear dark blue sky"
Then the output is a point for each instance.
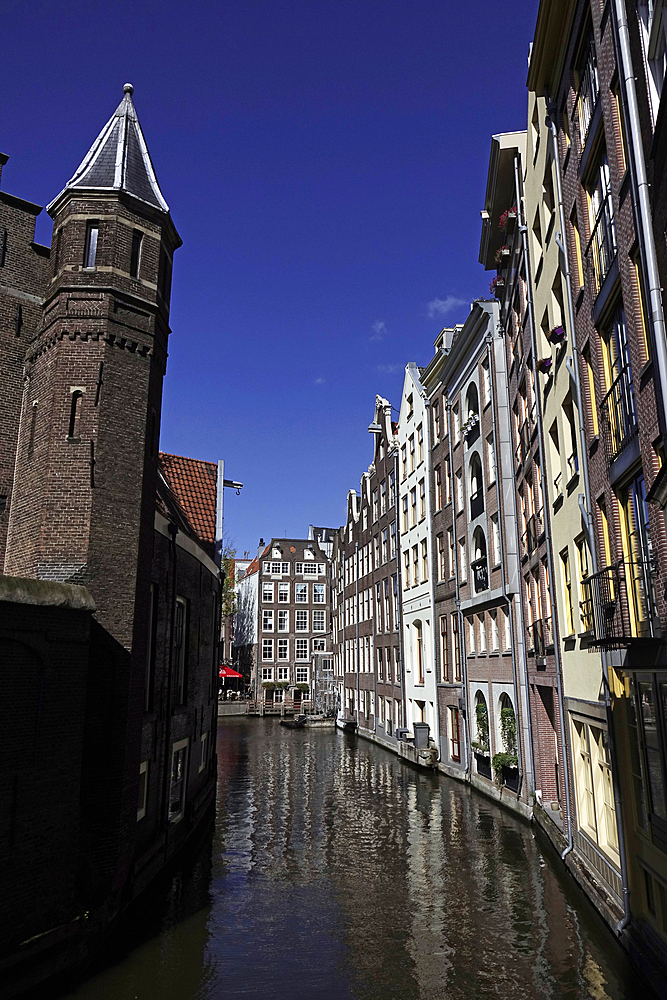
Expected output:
(325, 163)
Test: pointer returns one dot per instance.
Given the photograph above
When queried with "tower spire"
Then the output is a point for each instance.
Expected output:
(119, 160)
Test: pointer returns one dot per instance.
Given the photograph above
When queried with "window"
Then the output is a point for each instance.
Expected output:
(490, 460)
(267, 593)
(135, 253)
(301, 674)
(387, 624)
(436, 420)
(454, 735)
(203, 751)
(283, 651)
(90, 249)
(495, 541)
(438, 488)
(404, 462)
(180, 649)
(267, 649)
(178, 783)
(380, 664)
(385, 545)
(302, 621)
(507, 637)
(441, 557)
(301, 649)
(448, 481)
(267, 621)
(459, 491)
(411, 446)
(456, 653)
(419, 653)
(301, 593)
(143, 790)
(471, 634)
(415, 565)
(73, 430)
(424, 546)
(406, 570)
(413, 506)
(364, 521)
(405, 514)
(463, 569)
(420, 444)
(319, 621)
(318, 593)
(652, 24)
(376, 551)
(277, 568)
(481, 620)
(392, 540)
(283, 621)
(456, 430)
(567, 591)
(375, 505)
(486, 383)
(601, 221)
(283, 593)
(450, 552)
(267, 673)
(595, 797)
(383, 497)
(318, 646)
(422, 499)
(587, 81)
(444, 649)
(392, 489)
(495, 638)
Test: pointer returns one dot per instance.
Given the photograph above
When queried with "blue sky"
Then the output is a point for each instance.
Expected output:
(325, 163)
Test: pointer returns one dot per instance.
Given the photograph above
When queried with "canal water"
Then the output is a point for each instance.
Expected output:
(338, 872)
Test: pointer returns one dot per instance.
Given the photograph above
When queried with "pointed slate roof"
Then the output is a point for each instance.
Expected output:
(119, 159)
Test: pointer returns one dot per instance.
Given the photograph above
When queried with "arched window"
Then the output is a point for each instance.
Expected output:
(74, 414)
(508, 725)
(476, 485)
(471, 424)
(479, 564)
(481, 742)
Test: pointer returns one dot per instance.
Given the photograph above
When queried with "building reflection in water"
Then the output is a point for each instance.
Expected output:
(337, 872)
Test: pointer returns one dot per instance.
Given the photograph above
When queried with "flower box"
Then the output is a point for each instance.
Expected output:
(544, 365)
(497, 284)
(507, 220)
(501, 254)
(557, 335)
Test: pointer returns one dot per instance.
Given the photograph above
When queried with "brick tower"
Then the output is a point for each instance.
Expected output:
(83, 503)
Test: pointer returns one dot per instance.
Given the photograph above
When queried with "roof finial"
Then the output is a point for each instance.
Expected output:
(128, 89)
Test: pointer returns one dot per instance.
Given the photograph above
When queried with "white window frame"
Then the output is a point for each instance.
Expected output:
(301, 593)
(301, 623)
(282, 649)
(319, 621)
(301, 649)
(176, 749)
(267, 645)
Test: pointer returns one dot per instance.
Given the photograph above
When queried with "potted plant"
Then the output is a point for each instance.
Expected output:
(303, 687)
(507, 219)
(496, 285)
(283, 685)
(501, 253)
(506, 763)
(268, 685)
(544, 365)
(557, 335)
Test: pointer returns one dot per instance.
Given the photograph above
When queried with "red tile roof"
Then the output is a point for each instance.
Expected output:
(193, 483)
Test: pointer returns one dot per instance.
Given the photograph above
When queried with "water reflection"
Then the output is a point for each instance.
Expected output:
(338, 872)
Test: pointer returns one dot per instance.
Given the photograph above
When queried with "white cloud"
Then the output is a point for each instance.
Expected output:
(379, 329)
(389, 369)
(320, 381)
(440, 307)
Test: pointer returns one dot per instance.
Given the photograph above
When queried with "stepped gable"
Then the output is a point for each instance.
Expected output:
(119, 159)
(193, 485)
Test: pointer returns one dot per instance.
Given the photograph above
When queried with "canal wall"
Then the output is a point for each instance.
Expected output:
(232, 708)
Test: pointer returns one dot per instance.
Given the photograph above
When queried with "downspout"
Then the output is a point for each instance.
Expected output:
(585, 508)
(429, 543)
(510, 603)
(459, 614)
(173, 531)
(399, 586)
(547, 532)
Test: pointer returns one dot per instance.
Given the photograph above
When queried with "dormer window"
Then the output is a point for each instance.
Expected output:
(90, 251)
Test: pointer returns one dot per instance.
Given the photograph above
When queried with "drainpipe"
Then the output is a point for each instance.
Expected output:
(510, 602)
(547, 530)
(586, 509)
(399, 586)
(173, 531)
(459, 614)
(429, 544)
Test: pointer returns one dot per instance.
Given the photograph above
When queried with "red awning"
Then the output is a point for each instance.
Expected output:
(228, 672)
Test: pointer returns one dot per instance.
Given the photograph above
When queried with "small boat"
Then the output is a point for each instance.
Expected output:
(299, 722)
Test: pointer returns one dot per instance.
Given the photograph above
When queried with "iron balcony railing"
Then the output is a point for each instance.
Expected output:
(601, 249)
(543, 637)
(618, 604)
(619, 415)
(480, 571)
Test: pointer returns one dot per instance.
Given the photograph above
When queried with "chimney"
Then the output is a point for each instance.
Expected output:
(260, 547)
(3, 160)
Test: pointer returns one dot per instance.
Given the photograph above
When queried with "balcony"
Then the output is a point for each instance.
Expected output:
(543, 636)
(601, 249)
(618, 604)
(480, 572)
(619, 416)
